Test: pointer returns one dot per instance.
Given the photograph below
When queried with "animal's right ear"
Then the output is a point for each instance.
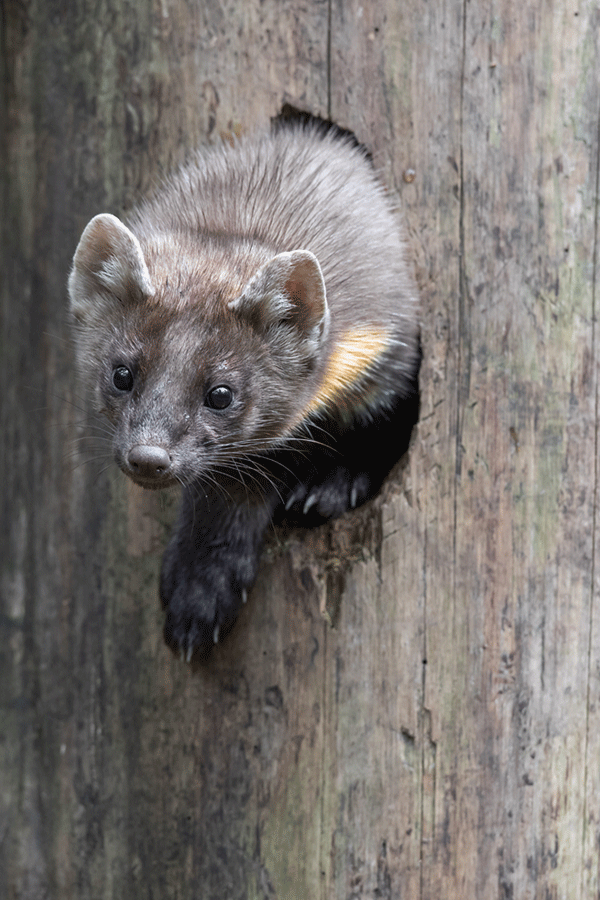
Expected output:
(108, 265)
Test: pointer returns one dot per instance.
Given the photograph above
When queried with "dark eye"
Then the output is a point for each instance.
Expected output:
(219, 397)
(122, 378)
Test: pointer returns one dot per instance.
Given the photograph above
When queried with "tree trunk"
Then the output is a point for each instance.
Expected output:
(408, 705)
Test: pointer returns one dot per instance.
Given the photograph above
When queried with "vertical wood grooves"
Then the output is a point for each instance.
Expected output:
(443, 739)
(328, 59)
(593, 598)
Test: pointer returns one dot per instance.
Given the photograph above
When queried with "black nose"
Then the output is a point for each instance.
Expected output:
(148, 461)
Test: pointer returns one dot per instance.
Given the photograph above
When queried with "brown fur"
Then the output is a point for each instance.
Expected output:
(269, 277)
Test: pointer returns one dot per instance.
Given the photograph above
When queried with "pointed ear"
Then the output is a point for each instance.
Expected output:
(108, 264)
(290, 290)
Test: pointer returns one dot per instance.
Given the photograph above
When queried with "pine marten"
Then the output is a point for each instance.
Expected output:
(251, 334)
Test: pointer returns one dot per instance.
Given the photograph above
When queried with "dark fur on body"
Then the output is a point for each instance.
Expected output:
(274, 271)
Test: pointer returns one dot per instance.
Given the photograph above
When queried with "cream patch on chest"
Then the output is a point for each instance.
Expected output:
(357, 352)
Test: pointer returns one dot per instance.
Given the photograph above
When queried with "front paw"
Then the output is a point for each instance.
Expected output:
(340, 491)
(200, 609)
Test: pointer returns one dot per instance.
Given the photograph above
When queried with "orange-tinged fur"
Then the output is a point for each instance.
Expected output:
(358, 351)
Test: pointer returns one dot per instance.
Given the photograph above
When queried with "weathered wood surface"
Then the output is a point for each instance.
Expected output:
(442, 740)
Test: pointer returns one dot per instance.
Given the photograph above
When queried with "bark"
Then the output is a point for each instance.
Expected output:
(408, 705)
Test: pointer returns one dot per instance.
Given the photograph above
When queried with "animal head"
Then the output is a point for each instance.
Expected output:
(198, 353)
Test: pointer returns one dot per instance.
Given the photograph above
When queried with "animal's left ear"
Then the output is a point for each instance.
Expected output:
(288, 290)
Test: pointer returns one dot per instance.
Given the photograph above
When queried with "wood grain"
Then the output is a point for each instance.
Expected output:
(408, 705)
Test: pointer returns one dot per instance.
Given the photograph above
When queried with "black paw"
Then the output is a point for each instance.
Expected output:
(340, 491)
(210, 564)
(198, 614)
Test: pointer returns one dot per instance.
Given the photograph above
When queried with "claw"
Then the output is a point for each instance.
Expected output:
(353, 497)
(189, 653)
(297, 494)
(244, 595)
(216, 634)
(311, 501)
